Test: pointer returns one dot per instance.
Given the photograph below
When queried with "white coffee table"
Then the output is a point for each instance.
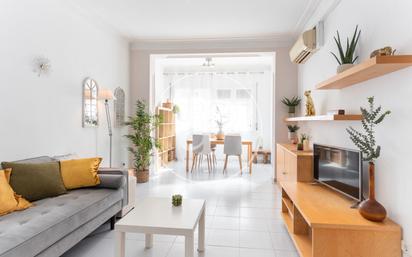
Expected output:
(158, 216)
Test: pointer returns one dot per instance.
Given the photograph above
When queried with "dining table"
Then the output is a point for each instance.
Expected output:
(248, 143)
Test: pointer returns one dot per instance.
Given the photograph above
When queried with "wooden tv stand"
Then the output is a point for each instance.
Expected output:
(322, 223)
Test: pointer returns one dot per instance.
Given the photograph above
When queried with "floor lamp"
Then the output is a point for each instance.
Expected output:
(107, 95)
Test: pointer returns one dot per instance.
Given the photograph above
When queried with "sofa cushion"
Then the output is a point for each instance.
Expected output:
(79, 173)
(35, 181)
(37, 228)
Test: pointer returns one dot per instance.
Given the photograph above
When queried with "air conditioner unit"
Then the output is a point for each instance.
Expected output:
(307, 44)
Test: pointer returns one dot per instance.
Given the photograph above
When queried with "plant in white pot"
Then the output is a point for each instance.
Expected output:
(141, 125)
(292, 133)
(291, 104)
(346, 58)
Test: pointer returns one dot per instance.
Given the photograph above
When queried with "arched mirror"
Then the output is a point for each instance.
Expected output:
(90, 110)
(119, 107)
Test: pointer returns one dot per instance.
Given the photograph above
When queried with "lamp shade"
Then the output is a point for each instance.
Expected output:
(105, 94)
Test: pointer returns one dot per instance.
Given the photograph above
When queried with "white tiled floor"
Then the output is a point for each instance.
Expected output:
(242, 219)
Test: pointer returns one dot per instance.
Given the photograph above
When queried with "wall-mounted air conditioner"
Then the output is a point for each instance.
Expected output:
(307, 44)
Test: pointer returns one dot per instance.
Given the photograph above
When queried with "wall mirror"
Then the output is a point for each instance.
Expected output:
(90, 110)
(119, 107)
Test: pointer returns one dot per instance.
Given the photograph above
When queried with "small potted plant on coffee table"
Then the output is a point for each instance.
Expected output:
(141, 127)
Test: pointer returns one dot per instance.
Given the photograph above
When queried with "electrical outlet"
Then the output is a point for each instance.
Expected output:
(405, 252)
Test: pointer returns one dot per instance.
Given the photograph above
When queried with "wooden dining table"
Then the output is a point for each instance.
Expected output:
(248, 143)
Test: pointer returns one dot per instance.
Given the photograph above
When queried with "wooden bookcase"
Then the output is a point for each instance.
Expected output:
(166, 136)
(322, 223)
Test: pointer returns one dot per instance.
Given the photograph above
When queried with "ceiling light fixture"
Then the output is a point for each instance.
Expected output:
(208, 62)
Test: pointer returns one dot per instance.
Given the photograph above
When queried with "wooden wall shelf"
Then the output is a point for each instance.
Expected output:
(327, 118)
(369, 69)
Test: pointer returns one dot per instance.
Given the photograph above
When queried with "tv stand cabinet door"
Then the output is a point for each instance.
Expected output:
(336, 242)
(280, 163)
(291, 167)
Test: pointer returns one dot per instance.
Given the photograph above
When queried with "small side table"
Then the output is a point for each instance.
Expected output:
(131, 195)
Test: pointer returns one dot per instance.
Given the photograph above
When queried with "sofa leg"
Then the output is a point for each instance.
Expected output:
(112, 222)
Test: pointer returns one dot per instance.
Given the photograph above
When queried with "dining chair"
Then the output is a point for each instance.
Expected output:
(233, 146)
(201, 148)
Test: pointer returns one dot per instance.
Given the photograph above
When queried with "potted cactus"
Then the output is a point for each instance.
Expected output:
(177, 200)
(291, 104)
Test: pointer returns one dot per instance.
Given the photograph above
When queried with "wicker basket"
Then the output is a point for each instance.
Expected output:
(142, 176)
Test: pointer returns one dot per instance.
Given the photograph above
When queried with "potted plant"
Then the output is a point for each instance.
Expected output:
(370, 209)
(141, 127)
(346, 58)
(291, 103)
(304, 139)
(292, 135)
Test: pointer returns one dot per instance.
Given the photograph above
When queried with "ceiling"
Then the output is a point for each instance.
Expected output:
(199, 19)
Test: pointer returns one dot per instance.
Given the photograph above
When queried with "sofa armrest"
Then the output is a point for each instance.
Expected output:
(112, 181)
(118, 171)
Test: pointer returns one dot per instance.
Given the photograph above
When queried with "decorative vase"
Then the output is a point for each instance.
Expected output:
(371, 209)
(292, 136)
(220, 135)
(300, 146)
(142, 176)
(343, 67)
(306, 145)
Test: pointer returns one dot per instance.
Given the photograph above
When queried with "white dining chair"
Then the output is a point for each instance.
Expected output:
(233, 146)
(201, 148)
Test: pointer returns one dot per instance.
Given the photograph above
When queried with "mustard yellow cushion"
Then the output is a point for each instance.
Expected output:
(80, 172)
(9, 200)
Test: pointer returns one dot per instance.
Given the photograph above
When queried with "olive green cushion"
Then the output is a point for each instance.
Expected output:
(35, 181)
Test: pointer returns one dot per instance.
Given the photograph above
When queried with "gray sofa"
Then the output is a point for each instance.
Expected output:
(54, 225)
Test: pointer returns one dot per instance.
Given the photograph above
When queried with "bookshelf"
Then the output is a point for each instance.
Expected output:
(166, 135)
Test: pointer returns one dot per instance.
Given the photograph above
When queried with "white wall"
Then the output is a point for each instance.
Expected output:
(381, 25)
(42, 115)
(285, 71)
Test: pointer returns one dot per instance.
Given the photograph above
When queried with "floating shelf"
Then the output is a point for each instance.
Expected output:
(369, 69)
(327, 118)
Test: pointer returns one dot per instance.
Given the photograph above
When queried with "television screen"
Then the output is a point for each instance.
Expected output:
(340, 169)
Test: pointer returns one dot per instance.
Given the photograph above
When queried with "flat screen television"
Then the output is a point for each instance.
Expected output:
(339, 169)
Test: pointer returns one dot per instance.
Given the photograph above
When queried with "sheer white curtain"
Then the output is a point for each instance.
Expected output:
(200, 94)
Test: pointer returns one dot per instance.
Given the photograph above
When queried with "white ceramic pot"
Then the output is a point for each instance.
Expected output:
(306, 145)
(343, 67)
(293, 137)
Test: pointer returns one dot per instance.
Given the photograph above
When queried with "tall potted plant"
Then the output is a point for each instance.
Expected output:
(370, 209)
(291, 104)
(141, 125)
(346, 58)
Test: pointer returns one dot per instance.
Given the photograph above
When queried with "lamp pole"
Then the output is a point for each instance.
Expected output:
(109, 127)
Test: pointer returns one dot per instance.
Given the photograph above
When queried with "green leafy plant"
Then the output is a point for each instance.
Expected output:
(291, 103)
(346, 57)
(304, 137)
(141, 126)
(366, 141)
(177, 200)
(293, 128)
(176, 109)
